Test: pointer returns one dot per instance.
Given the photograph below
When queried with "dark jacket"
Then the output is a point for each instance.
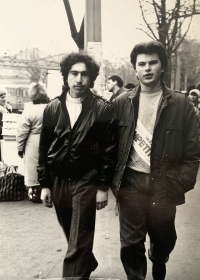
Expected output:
(120, 91)
(89, 147)
(175, 147)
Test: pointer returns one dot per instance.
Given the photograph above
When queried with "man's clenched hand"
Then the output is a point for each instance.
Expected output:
(101, 199)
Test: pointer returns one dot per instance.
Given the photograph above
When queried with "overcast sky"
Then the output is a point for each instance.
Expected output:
(44, 24)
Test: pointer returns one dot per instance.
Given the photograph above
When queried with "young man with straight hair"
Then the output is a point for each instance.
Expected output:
(158, 160)
(77, 160)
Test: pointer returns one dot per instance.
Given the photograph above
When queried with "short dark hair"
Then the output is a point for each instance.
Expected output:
(69, 60)
(149, 48)
(117, 79)
(129, 86)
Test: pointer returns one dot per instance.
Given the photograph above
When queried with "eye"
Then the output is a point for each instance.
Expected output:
(153, 62)
(74, 73)
(85, 74)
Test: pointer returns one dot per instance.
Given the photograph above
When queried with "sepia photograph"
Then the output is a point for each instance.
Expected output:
(99, 139)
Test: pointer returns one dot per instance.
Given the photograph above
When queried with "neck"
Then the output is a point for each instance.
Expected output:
(75, 96)
(151, 88)
(115, 90)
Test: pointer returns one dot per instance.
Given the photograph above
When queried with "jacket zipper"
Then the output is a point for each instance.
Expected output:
(130, 141)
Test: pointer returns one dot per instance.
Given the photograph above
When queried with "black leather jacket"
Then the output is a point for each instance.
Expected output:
(88, 147)
(175, 146)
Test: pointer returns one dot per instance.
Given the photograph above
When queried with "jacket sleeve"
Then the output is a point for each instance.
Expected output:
(46, 139)
(107, 148)
(191, 151)
(23, 131)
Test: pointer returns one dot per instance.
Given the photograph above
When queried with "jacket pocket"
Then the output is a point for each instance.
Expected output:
(173, 140)
(174, 190)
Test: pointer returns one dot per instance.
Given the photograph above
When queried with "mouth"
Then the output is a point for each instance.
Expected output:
(78, 87)
(148, 76)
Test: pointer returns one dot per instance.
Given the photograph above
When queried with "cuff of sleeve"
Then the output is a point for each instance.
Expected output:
(103, 188)
(45, 185)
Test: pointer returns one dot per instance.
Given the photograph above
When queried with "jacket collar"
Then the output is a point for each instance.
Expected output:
(167, 93)
(87, 100)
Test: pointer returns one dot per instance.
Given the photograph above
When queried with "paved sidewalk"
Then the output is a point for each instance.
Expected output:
(32, 244)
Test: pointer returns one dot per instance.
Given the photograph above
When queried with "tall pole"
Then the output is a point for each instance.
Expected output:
(92, 35)
(92, 22)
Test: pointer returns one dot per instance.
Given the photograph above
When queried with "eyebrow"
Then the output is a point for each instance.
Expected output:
(151, 61)
(75, 71)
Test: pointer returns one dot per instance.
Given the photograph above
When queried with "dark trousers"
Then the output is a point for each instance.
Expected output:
(75, 205)
(137, 218)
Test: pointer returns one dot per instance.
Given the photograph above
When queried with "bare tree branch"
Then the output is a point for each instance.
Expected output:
(182, 37)
(153, 38)
(169, 22)
(148, 25)
(156, 8)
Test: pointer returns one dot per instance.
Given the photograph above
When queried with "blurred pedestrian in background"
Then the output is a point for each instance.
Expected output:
(115, 85)
(194, 99)
(28, 135)
(189, 88)
(4, 108)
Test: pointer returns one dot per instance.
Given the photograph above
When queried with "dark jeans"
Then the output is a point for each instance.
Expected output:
(75, 205)
(137, 218)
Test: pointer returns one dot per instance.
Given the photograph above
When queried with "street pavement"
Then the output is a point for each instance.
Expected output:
(32, 244)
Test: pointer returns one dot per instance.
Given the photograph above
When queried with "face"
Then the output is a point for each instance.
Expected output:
(192, 97)
(78, 80)
(111, 85)
(2, 99)
(149, 69)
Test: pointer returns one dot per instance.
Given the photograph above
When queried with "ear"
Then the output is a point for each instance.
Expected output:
(136, 74)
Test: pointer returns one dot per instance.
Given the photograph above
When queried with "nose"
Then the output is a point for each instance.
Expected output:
(148, 68)
(79, 78)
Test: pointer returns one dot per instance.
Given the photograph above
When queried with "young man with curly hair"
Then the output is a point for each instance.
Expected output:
(77, 160)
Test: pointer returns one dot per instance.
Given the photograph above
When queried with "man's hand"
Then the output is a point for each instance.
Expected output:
(101, 199)
(46, 197)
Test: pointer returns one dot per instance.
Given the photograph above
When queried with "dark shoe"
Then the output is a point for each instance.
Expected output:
(34, 194)
(158, 271)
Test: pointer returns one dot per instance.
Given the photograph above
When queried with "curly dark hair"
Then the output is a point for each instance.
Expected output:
(118, 79)
(69, 60)
(149, 48)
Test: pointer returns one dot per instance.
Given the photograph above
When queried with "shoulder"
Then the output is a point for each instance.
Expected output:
(121, 90)
(53, 104)
(101, 101)
(178, 96)
(181, 102)
(124, 96)
(102, 106)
